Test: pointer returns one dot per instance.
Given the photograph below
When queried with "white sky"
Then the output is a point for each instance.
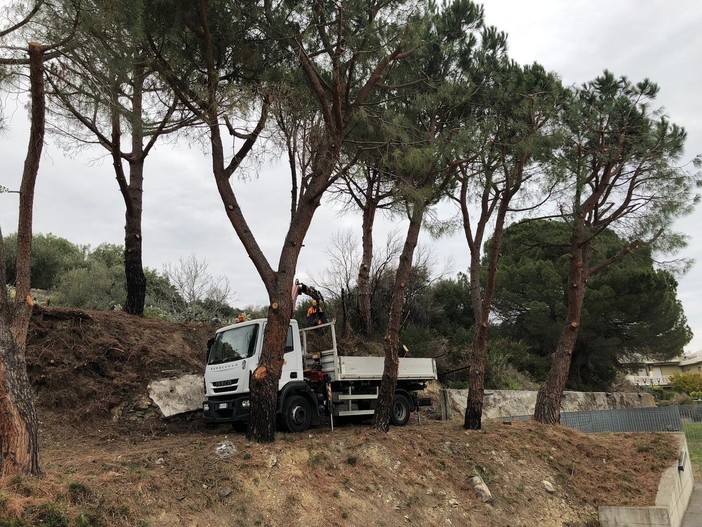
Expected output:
(78, 198)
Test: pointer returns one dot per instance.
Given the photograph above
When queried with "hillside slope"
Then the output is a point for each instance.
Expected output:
(110, 460)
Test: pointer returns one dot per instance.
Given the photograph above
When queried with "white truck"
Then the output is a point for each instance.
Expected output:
(315, 379)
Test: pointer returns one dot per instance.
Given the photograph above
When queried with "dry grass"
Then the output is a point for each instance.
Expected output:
(416, 475)
(107, 468)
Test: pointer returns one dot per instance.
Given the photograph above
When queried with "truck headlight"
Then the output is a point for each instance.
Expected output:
(245, 403)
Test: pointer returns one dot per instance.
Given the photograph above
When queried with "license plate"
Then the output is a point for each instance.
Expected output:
(222, 405)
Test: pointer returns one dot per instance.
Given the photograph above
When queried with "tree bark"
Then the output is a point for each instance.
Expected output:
(19, 444)
(264, 381)
(133, 198)
(548, 398)
(363, 283)
(345, 322)
(476, 379)
(19, 447)
(381, 418)
(481, 306)
(133, 267)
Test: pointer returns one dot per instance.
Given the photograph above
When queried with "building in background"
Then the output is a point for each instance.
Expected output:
(658, 373)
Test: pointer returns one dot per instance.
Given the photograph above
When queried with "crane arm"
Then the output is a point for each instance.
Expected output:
(300, 288)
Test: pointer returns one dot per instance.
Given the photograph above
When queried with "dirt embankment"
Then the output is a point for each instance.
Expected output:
(96, 365)
(107, 462)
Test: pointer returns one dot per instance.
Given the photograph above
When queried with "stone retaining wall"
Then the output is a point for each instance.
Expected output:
(511, 403)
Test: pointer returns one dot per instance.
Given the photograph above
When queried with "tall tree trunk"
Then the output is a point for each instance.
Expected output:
(477, 359)
(548, 398)
(133, 267)
(481, 308)
(381, 418)
(345, 322)
(363, 282)
(19, 446)
(476, 379)
(264, 381)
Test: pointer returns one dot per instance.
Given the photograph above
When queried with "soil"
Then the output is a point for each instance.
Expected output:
(109, 458)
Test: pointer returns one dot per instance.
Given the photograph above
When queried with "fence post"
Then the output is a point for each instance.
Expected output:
(445, 405)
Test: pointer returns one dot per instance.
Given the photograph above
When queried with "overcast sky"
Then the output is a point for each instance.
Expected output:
(78, 199)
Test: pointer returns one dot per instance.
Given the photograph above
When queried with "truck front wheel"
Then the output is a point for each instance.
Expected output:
(297, 413)
(401, 409)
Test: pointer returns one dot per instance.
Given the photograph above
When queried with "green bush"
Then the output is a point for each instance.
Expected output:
(158, 313)
(500, 372)
(686, 382)
(660, 394)
(94, 287)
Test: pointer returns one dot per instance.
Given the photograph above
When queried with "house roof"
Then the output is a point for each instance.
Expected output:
(691, 359)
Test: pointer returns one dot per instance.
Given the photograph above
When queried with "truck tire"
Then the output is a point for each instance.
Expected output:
(401, 410)
(297, 413)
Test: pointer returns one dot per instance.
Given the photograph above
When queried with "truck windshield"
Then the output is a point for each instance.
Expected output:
(234, 344)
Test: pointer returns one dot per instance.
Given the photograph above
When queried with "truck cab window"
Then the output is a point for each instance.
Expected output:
(235, 344)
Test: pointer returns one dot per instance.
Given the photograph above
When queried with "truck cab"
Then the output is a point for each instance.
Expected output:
(233, 354)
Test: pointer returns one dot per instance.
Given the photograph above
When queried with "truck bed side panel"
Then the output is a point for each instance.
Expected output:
(371, 368)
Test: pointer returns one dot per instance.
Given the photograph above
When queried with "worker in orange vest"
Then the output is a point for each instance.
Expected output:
(314, 314)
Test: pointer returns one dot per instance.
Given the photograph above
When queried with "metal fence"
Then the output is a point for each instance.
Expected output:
(685, 418)
(663, 419)
(691, 417)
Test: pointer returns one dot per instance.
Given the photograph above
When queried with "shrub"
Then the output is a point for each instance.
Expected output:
(686, 382)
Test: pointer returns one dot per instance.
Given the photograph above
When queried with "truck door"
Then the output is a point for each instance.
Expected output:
(292, 359)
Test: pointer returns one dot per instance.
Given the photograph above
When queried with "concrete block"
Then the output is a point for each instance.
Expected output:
(672, 499)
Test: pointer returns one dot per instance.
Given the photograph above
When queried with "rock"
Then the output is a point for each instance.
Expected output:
(481, 489)
(225, 449)
(548, 486)
(454, 502)
(273, 461)
(224, 492)
(176, 396)
(160, 461)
